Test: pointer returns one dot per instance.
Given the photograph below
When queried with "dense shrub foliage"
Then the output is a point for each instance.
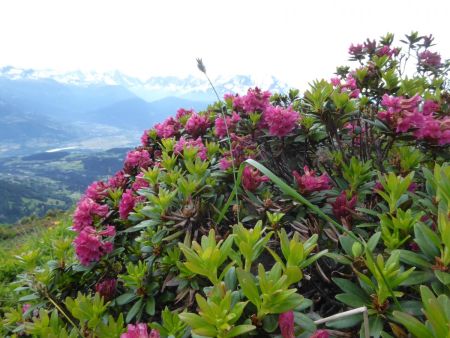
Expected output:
(267, 212)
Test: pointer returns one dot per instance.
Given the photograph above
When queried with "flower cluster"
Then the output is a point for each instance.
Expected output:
(97, 191)
(243, 147)
(343, 207)
(106, 288)
(137, 159)
(90, 244)
(349, 86)
(280, 121)
(118, 180)
(252, 179)
(168, 128)
(190, 143)
(429, 59)
(404, 115)
(197, 125)
(221, 124)
(255, 100)
(140, 330)
(309, 182)
(184, 113)
(85, 212)
(128, 202)
(140, 182)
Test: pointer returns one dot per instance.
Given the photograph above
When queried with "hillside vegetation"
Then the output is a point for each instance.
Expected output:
(40, 182)
(265, 215)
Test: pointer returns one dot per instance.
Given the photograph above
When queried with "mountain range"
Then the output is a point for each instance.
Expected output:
(42, 109)
(57, 129)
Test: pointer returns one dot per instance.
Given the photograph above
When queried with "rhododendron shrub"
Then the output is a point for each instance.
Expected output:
(349, 207)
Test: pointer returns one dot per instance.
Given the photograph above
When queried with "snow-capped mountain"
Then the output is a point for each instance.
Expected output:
(153, 88)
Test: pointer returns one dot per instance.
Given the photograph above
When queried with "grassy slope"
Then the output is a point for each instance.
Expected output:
(32, 238)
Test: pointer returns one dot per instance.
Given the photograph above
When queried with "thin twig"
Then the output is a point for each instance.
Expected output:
(202, 68)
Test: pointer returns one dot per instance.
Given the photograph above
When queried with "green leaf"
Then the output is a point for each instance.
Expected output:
(413, 325)
(427, 240)
(347, 244)
(304, 322)
(346, 322)
(373, 241)
(270, 323)
(418, 277)
(125, 298)
(312, 259)
(443, 277)
(248, 286)
(150, 306)
(134, 310)
(291, 303)
(194, 320)
(32, 296)
(351, 300)
(376, 326)
(351, 288)
(239, 330)
(230, 278)
(413, 259)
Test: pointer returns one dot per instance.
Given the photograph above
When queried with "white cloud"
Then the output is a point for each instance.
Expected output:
(296, 41)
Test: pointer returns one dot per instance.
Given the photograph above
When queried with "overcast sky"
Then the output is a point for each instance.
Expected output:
(296, 41)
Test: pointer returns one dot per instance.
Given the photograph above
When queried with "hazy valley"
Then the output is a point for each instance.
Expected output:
(61, 131)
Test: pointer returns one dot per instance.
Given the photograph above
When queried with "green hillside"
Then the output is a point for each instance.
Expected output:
(35, 239)
(37, 183)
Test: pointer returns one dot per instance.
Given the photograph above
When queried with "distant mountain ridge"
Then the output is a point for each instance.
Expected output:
(44, 109)
(153, 88)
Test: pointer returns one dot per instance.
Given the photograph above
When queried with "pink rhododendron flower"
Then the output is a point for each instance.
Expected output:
(349, 86)
(430, 59)
(401, 112)
(252, 178)
(183, 143)
(197, 125)
(280, 121)
(231, 121)
(255, 100)
(370, 46)
(309, 182)
(89, 245)
(404, 115)
(286, 324)
(168, 128)
(97, 191)
(342, 207)
(145, 138)
(139, 330)
(355, 49)
(378, 186)
(25, 307)
(225, 163)
(429, 107)
(243, 148)
(140, 182)
(386, 50)
(137, 159)
(413, 247)
(85, 211)
(350, 83)
(127, 203)
(335, 81)
(106, 288)
(320, 334)
(183, 112)
(118, 180)
(393, 103)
